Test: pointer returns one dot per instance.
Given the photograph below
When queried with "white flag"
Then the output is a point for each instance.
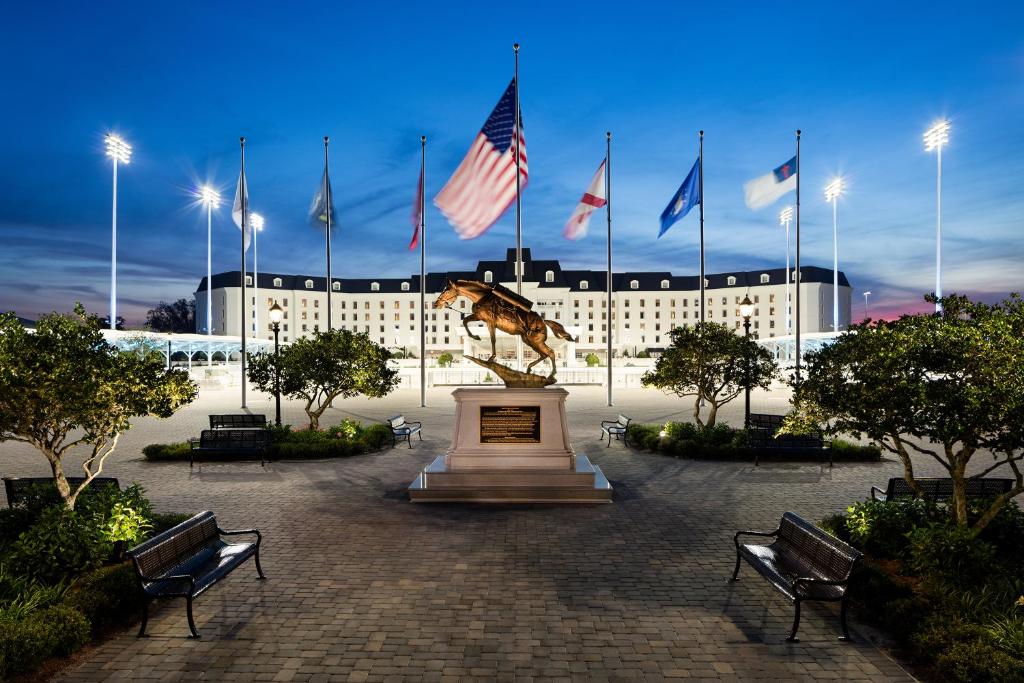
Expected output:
(594, 198)
(763, 191)
(242, 200)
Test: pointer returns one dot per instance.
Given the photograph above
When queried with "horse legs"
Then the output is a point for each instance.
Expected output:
(545, 353)
(472, 317)
(494, 342)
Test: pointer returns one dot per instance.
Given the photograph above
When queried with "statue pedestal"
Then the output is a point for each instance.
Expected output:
(511, 445)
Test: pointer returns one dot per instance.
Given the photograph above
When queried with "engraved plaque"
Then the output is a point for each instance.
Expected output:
(509, 424)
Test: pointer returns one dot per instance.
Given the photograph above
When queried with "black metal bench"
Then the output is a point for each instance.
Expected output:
(22, 490)
(242, 421)
(231, 441)
(761, 434)
(619, 428)
(185, 560)
(403, 429)
(939, 490)
(803, 563)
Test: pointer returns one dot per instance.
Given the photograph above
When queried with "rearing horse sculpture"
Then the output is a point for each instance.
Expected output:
(504, 310)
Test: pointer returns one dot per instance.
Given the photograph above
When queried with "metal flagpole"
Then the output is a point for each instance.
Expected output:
(327, 192)
(519, 208)
(797, 321)
(608, 209)
(700, 187)
(423, 273)
(209, 283)
(255, 284)
(245, 223)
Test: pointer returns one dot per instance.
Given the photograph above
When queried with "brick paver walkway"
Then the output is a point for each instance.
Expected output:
(365, 586)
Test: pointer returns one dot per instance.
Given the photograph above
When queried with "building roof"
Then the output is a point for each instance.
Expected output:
(533, 271)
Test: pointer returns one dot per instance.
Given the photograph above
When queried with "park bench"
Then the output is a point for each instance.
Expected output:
(231, 441)
(803, 563)
(243, 421)
(23, 490)
(185, 560)
(403, 429)
(761, 433)
(619, 428)
(939, 489)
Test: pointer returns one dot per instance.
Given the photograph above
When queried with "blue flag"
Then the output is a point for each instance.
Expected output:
(687, 197)
(323, 201)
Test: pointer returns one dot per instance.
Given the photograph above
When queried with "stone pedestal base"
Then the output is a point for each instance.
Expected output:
(511, 445)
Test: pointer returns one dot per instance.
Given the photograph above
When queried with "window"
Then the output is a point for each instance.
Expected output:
(730, 281)
(488, 276)
(664, 284)
(277, 282)
(706, 283)
(633, 284)
(248, 280)
(405, 286)
(549, 276)
(374, 286)
(765, 279)
(336, 286)
(584, 284)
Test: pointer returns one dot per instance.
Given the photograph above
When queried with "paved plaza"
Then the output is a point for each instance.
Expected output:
(365, 586)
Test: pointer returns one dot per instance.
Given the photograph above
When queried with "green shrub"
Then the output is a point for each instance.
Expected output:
(106, 596)
(1005, 531)
(950, 555)
(847, 450)
(880, 528)
(167, 451)
(876, 590)
(13, 521)
(978, 662)
(644, 436)
(162, 521)
(375, 436)
(1007, 633)
(836, 525)
(592, 360)
(50, 632)
(60, 545)
(903, 617)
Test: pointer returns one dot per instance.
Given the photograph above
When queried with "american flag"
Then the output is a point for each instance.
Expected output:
(484, 184)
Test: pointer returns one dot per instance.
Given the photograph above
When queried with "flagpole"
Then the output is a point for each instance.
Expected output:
(327, 191)
(797, 321)
(245, 222)
(700, 187)
(423, 273)
(519, 219)
(608, 208)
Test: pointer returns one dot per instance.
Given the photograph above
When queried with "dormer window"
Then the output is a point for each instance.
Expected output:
(248, 280)
(374, 286)
(731, 281)
(765, 279)
(488, 276)
(405, 286)
(634, 284)
(309, 284)
(584, 284)
(336, 286)
(706, 283)
(549, 276)
(792, 276)
(664, 284)
(277, 282)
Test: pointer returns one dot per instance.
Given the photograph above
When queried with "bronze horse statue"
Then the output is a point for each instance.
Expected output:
(503, 309)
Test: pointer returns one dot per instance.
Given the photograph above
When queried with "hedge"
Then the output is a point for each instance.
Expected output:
(50, 632)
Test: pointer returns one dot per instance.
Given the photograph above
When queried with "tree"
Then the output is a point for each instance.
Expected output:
(944, 386)
(179, 316)
(712, 363)
(592, 360)
(320, 368)
(445, 360)
(64, 387)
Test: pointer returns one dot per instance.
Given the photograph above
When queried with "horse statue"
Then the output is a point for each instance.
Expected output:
(502, 309)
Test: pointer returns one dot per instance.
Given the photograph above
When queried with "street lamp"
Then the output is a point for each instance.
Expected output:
(211, 199)
(833, 191)
(785, 218)
(119, 151)
(935, 138)
(256, 221)
(866, 295)
(276, 316)
(746, 310)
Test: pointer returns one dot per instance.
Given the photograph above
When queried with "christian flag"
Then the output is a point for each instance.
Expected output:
(240, 210)
(763, 191)
(594, 198)
(484, 184)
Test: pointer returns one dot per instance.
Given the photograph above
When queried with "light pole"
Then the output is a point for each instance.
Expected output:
(276, 316)
(934, 138)
(785, 218)
(866, 295)
(211, 199)
(119, 151)
(256, 220)
(833, 191)
(746, 310)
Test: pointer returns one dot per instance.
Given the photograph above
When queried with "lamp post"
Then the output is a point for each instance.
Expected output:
(833, 191)
(866, 295)
(934, 138)
(276, 316)
(119, 151)
(746, 310)
(256, 220)
(211, 199)
(785, 218)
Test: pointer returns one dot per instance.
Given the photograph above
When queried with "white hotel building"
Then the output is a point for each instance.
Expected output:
(646, 306)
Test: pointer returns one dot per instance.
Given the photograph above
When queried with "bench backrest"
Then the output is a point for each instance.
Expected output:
(234, 438)
(941, 489)
(237, 421)
(396, 421)
(20, 490)
(822, 551)
(624, 420)
(165, 551)
(766, 421)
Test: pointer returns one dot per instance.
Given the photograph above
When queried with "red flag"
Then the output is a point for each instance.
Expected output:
(417, 213)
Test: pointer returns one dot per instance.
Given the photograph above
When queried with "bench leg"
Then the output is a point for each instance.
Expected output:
(842, 620)
(145, 617)
(191, 622)
(394, 442)
(259, 569)
(736, 569)
(408, 440)
(421, 434)
(796, 624)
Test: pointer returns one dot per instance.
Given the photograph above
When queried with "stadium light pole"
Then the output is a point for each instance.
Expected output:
(935, 138)
(833, 191)
(785, 218)
(211, 199)
(256, 220)
(119, 151)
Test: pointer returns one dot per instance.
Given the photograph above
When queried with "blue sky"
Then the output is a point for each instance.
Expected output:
(181, 81)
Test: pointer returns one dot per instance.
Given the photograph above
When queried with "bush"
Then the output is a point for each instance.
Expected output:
(166, 520)
(592, 360)
(60, 545)
(836, 525)
(375, 436)
(644, 436)
(950, 555)
(847, 450)
(978, 662)
(1005, 531)
(880, 528)
(167, 451)
(1007, 633)
(106, 596)
(51, 632)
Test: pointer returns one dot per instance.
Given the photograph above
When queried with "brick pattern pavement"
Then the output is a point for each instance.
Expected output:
(365, 586)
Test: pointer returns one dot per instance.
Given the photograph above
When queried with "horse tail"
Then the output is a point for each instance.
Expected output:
(559, 331)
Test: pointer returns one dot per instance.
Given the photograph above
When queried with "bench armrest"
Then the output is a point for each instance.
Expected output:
(174, 577)
(608, 423)
(769, 534)
(236, 532)
(876, 489)
(413, 422)
(819, 582)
